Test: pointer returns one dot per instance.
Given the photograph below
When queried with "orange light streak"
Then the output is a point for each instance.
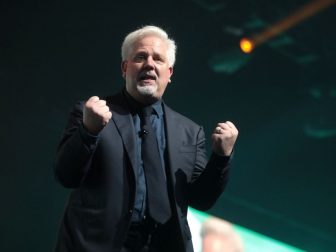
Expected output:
(298, 16)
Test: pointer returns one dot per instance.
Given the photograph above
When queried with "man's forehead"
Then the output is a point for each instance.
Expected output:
(150, 42)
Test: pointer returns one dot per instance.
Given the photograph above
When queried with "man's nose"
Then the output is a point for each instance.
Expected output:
(149, 64)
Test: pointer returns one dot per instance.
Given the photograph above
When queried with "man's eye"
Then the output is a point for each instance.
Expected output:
(159, 59)
(140, 57)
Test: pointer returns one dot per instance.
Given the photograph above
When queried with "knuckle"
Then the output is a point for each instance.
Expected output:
(102, 102)
(93, 99)
(95, 110)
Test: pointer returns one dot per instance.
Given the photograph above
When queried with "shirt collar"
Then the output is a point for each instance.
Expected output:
(135, 106)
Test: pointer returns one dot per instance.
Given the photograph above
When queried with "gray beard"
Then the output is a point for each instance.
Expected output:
(147, 90)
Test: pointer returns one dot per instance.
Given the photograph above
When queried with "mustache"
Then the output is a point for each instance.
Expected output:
(147, 75)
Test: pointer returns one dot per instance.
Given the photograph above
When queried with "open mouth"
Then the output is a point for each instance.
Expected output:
(146, 77)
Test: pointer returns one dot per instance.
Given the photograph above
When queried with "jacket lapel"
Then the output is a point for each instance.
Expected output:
(172, 131)
(122, 118)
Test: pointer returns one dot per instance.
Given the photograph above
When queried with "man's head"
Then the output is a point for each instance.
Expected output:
(148, 57)
(218, 235)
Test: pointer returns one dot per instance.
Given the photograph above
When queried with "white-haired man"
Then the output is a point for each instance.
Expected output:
(134, 164)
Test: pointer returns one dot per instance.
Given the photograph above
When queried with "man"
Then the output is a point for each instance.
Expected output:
(134, 164)
(218, 235)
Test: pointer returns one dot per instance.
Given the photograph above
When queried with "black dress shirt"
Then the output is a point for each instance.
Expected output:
(157, 121)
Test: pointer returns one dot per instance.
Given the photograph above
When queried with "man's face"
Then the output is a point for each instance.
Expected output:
(219, 243)
(146, 70)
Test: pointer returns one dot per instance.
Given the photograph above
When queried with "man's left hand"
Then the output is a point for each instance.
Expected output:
(224, 138)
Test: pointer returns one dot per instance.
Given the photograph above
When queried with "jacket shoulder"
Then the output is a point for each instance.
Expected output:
(179, 117)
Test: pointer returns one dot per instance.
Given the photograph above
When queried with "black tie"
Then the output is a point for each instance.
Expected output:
(158, 201)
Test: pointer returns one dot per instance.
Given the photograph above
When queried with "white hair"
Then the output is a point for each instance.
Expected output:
(222, 228)
(146, 31)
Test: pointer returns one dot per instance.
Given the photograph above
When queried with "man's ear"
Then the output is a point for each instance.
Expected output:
(171, 70)
(123, 68)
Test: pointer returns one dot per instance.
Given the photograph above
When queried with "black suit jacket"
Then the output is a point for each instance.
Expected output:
(103, 179)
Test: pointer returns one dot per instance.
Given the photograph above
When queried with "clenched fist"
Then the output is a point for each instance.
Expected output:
(96, 115)
(224, 138)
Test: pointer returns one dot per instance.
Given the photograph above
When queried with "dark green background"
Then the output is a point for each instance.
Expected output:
(282, 99)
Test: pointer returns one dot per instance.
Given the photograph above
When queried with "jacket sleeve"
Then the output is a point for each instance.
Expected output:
(208, 178)
(75, 150)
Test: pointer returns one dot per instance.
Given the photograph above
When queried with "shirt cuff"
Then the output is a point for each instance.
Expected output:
(222, 160)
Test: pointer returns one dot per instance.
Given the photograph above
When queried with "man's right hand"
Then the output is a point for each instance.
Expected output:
(96, 115)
